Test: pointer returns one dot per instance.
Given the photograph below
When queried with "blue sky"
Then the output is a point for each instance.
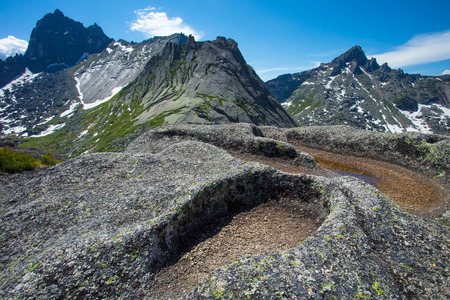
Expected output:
(275, 37)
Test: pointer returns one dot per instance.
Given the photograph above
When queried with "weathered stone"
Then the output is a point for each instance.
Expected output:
(101, 225)
(366, 248)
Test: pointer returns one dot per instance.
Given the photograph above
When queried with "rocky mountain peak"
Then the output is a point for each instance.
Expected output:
(353, 58)
(204, 82)
(59, 42)
(354, 54)
(58, 13)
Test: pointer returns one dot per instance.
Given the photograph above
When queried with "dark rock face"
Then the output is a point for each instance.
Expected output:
(11, 68)
(101, 225)
(59, 42)
(354, 54)
(353, 90)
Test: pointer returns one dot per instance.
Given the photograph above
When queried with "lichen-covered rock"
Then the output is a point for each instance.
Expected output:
(426, 153)
(367, 248)
(101, 225)
(242, 137)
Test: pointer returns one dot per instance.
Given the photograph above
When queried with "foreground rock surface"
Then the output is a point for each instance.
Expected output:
(101, 225)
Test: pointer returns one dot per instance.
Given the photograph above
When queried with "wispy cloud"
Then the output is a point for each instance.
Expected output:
(267, 74)
(287, 69)
(421, 49)
(446, 72)
(154, 23)
(11, 46)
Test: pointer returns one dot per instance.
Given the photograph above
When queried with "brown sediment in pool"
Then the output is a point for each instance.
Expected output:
(414, 192)
(268, 228)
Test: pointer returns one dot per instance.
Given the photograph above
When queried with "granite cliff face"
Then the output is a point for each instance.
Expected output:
(205, 82)
(353, 90)
(102, 225)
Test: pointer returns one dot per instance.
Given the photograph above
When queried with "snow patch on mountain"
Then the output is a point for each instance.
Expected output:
(416, 118)
(46, 120)
(16, 130)
(98, 102)
(124, 48)
(51, 129)
(286, 104)
(71, 110)
(107, 74)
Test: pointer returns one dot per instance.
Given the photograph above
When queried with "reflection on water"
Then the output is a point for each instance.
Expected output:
(367, 179)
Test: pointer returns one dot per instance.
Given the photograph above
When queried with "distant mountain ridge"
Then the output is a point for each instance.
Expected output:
(357, 91)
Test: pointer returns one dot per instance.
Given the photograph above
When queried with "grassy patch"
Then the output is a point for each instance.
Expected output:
(15, 161)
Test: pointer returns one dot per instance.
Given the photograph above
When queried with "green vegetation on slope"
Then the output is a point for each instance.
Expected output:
(15, 161)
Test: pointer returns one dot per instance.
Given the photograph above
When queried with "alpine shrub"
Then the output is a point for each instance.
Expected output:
(14, 161)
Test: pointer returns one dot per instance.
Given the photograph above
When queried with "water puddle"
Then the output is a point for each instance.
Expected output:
(367, 179)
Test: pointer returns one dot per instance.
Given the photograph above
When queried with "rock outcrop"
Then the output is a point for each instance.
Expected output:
(205, 82)
(11, 68)
(58, 42)
(101, 225)
(426, 153)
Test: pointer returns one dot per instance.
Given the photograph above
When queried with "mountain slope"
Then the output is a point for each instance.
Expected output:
(357, 91)
(205, 82)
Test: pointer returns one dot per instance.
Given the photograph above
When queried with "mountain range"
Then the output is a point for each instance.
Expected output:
(357, 91)
(76, 84)
(131, 86)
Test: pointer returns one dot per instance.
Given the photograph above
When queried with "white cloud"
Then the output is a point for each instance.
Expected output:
(421, 49)
(277, 69)
(446, 72)
(292, 69)
(11, 45)
(154, 23)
